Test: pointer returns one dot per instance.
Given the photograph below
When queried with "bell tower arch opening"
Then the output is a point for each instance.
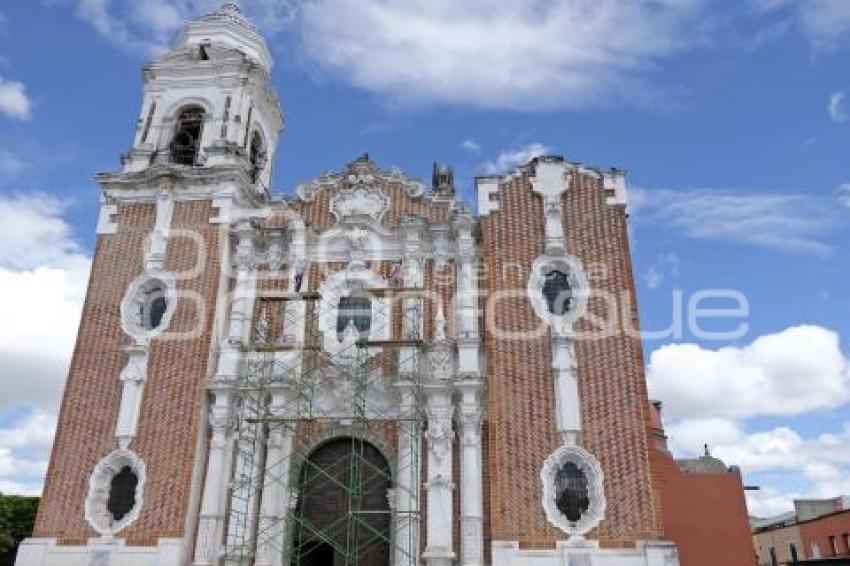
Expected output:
(343, 514)
(186, 142)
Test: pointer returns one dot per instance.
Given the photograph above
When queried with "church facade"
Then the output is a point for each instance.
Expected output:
(364, 373)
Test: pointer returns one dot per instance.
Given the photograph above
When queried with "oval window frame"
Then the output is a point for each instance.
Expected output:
(100, 483)
(132, 305)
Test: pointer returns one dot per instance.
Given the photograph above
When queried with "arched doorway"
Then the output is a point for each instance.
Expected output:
(342, 517)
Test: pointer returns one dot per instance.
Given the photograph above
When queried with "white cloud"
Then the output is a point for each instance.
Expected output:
(653, 277)
(820, 464)
(24, 450)
(664, 265)
(150, 26)
(510, 54)
(825, 23)
(43, 275)
(792, 372)
(14, 102)
(836, 107)
(471, 146)
(513, 158)
(795, 223)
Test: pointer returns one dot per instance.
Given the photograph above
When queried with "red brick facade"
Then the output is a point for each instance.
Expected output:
(522, 430)
(171, 417)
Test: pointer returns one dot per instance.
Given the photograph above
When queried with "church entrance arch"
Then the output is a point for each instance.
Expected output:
(343, 517)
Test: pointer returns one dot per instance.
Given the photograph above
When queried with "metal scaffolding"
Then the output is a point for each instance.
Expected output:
(328, 486)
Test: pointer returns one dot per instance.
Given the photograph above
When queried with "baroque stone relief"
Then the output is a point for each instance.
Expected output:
(362, 200)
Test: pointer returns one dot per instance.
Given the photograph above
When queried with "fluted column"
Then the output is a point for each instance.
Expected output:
(210, 539)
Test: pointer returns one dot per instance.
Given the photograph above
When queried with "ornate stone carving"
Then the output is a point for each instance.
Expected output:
(592, 471)
(362, 200)
(440, 435)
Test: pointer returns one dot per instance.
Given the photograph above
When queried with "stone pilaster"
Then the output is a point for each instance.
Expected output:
(210, 538)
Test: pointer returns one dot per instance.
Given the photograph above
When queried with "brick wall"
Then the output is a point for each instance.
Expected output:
(522, 427)
(168, 427)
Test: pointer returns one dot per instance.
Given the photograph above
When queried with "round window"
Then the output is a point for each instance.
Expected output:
(148, 306)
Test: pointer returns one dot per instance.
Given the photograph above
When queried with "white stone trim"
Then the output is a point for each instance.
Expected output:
(487, 189)
(96, 512)
(133, 378)
(361, 200)
(561, 324)
(46, 552)
(595, 490)
(615, 180)
(645, 553)
(551, 178)
(106, 222)
(343, 283)
(130, 322)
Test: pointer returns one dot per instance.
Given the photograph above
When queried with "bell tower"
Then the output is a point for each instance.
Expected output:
(124, 481)
(207, 102)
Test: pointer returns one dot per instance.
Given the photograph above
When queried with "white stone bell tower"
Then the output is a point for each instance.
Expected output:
(207, 101)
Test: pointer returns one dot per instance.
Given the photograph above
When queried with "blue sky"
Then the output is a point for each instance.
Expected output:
(730, 118)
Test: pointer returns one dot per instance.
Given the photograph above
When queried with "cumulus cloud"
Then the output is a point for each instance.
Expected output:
(150, 26)
(795, 223)
(511, 54)
(24, 448)
(14, 102)
(512, 158)
(824, 23)
(43, 274)
(500, 53)
(836, 107)
(792, 372)
(471, 146)
(821, 463)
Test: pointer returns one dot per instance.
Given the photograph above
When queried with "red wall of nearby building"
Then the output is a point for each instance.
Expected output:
(819, 530)
(704, 514)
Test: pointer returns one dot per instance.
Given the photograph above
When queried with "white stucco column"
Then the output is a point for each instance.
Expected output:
(271, 533)
(406, 491)
(469, 385)
(471, 485)
(210, 539)
(245, 288)
(440, 411)
(439, 485)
